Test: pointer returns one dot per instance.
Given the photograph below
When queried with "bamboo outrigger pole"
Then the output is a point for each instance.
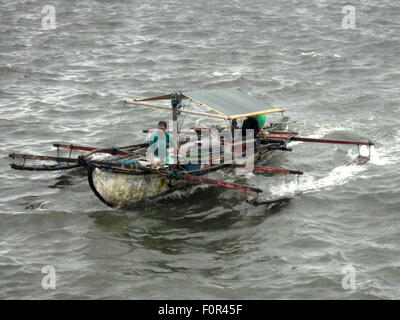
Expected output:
(170, 109)
(43, 158)
(360, 143)
(280, 135)
(270, 170)
(219, 183)
(162, 97)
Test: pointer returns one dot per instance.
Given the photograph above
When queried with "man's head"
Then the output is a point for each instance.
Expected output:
(162, 125)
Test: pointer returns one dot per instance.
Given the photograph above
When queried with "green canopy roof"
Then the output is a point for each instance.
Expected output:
(232, 103)
(226, 103)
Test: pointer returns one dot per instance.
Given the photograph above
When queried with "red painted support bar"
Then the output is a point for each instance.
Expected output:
(271, 170)
(282, 133)
(220, 183)
(332, 141)
(72, 147)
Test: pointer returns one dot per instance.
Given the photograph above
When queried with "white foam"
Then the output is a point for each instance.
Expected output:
(310, 183)
(307, 53)
(218, 74)
(321, 132)
(389, 153)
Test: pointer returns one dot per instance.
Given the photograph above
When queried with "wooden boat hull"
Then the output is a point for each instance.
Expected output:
(116, 189)
(124, 189)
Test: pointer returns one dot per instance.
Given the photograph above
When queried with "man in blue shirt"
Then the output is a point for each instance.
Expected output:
(159, 142)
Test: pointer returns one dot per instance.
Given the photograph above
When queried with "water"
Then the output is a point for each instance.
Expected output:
(67, 85)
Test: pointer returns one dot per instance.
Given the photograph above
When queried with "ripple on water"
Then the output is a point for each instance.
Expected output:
(68, 84)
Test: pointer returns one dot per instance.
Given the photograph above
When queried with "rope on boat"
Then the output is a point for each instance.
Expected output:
(172, 175)
(119, 123)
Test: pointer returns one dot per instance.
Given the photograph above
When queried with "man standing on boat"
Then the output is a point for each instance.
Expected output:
(159, 142)
(250, 123)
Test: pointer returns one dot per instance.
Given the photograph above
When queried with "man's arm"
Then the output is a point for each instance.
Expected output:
(171, 141)
(152, 138)
(152, 147)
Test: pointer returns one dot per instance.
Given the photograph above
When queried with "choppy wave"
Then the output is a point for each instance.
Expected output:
(67, 85)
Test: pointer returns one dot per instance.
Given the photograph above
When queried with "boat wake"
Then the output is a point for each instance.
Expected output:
(388, 153)
(310, 183)
(343, 174)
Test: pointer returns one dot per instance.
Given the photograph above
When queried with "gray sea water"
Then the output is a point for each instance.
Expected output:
(67, 84)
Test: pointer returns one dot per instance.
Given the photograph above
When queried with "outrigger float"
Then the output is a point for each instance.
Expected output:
(123, 176)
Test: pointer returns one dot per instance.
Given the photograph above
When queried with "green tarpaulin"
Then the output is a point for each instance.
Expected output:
(228, 101)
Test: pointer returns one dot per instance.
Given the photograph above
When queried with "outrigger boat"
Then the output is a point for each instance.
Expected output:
(124, 175)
